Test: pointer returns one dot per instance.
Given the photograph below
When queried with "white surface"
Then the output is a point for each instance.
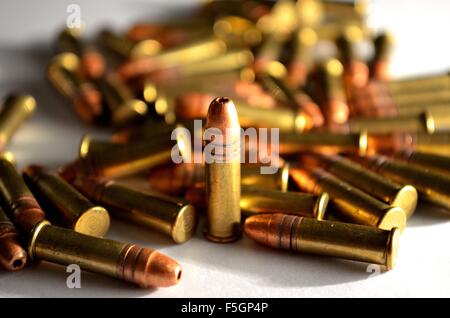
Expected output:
(243, 269)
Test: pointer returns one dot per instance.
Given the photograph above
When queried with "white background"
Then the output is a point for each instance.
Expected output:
(243, 269)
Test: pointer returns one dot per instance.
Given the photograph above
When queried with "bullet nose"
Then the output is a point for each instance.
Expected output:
(156, 269)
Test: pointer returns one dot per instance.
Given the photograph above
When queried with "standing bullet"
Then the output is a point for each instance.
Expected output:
(12, 256)
(162, 214)
(141, 266)
(336, 239)
(16, 109)
(18, 201)
(70, 208)
(223, 171)
(352, 204)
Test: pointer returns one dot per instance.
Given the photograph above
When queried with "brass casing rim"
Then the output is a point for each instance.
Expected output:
(406, 198)
(392, 248)
(393, 217)
(321, 206)
(363, 143)
(34, 235)
(236, 235)
(284, 177)
(97, 216)
(181, 230)
(84, 146)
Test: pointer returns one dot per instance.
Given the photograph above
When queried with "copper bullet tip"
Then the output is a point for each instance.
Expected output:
(93, 64)
(222, 115)
(149, 268)
(12, 256)
(88, 104)
(264, 228)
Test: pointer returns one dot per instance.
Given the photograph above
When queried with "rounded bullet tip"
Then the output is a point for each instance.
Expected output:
(222, 114)
(12, 255)
(256, 227)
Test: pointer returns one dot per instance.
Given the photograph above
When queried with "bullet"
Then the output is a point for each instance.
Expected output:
(435, 162)
(223, 173)
(123, 107)
(356, 73)
(336, 239)
(432, 186)
(114, 160)
(302, 59)
(16, 109)
(437, 143)
(426, 122)
(352, 203)
(323, 142)
(332, 98)
(127, 48)
(192, 106)
(62, 72)
(176, 179)
(189, 53)
(394, 194)
(173, 218)
(141, 266)
(379, 64)
(12, 256)
(18, 201)
(92, 63)
(256, 200)
(296, 99)
(229, 61)
(68, 207)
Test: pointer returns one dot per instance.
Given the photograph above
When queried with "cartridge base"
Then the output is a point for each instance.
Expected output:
(236, 235)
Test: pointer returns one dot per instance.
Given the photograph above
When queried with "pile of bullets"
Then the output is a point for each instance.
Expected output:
(357, 148)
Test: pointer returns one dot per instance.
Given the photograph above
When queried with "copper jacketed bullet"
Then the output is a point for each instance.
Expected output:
(432, 186)
(16, 109)
(162, 214)
(92, 63)
(178, 178)
(379, 65)
(12, 256)
(336, 239)
(223, 171)
(303, 57)
(65, 204)
(431, 161)
(394, 194)
(63, 73)
(352, 204)
(19, 203)
(141, 266)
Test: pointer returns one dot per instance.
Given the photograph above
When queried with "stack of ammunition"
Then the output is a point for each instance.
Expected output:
(358, 149)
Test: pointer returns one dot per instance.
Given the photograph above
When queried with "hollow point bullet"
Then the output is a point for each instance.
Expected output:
(352, 203)
(141, 266)
(12, 256)
(173, 218)
(336, 239)
(18, 200)
(65, 204)
(16, 109)
(223, 172)
(62, 72)
(92, 63)
(394, 194)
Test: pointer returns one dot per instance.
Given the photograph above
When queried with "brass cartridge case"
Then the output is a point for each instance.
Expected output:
(190, 53)
(123, 107)
(62, 72)
(173, 218)
(92, 63)
(352, 204)
(426, 122)
(65, 204)
(419, 84)
(357, 9)
(18, 201)
(432, 186)
(223, 172)
(16, 109)
(178, 178)
(127, 48)
(260, 201)
(394, 194)
(12, 256)
(327, 143)
(114, 160)
(336, 239)
(379, 64)
(438, 143)
(425, 99)
(141, 266)
(431, 161)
